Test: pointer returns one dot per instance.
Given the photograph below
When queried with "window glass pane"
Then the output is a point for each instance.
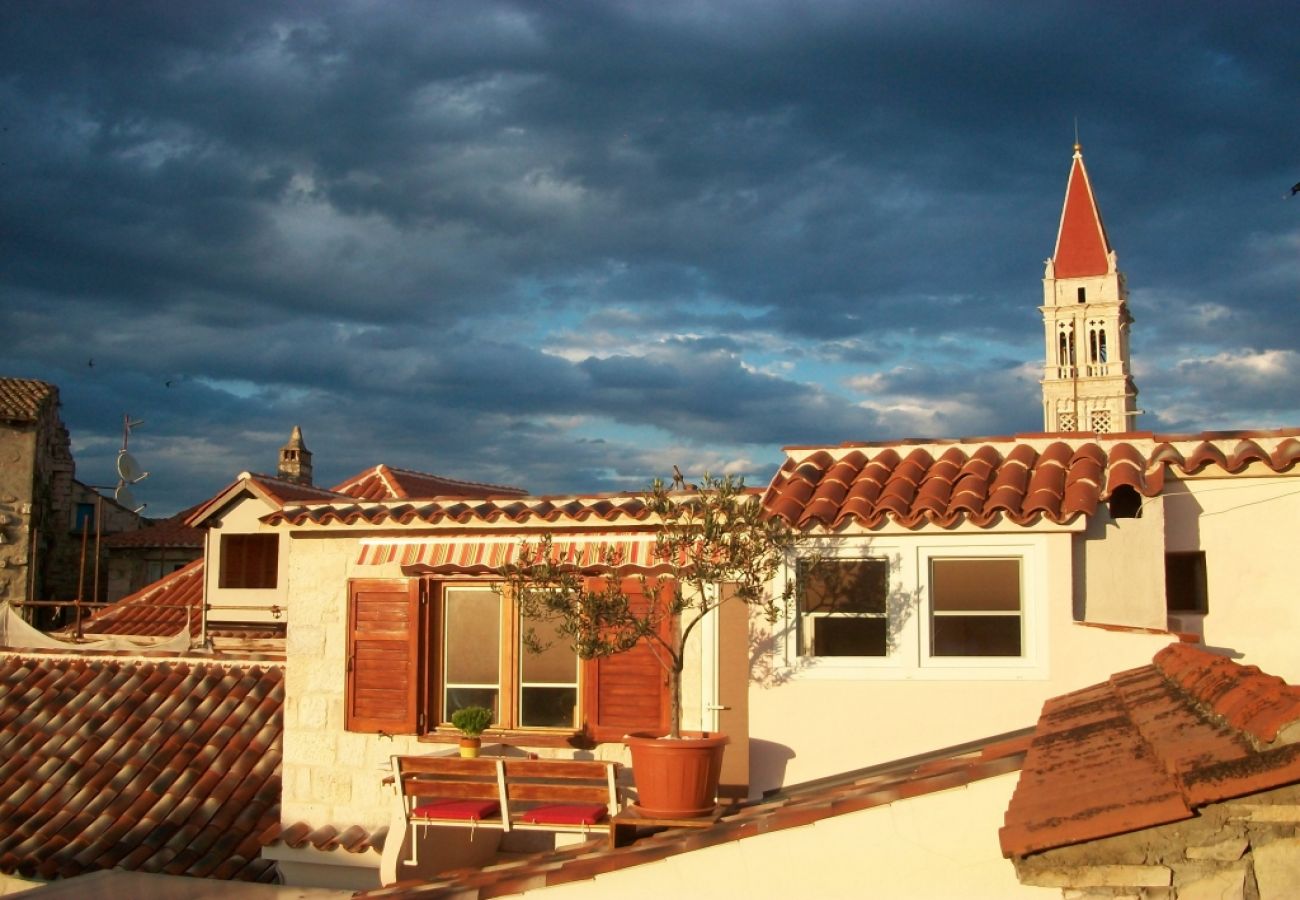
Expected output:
(976, 635)
(548, 707)
(461, 697)
(548, 693)
(471, 629)
(556, 663)
(844, 585)
(849, 636)
(981, 585)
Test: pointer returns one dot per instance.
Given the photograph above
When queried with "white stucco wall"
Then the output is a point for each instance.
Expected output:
(941, 845)
(243, 604)
(1247, 526)
(815, 718)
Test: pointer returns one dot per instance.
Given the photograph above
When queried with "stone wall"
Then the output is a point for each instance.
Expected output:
(1245, 849)
(36, 471)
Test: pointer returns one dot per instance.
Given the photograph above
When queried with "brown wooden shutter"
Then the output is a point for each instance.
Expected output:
(383, 676)
(249, 560)
(627, 692)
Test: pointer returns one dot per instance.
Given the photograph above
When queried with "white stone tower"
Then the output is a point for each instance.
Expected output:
(1087, 383)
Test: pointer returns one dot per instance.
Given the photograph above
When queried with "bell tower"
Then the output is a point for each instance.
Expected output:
(295, 459)
(1087, 382)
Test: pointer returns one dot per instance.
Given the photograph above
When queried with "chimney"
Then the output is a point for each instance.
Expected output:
(295, 459)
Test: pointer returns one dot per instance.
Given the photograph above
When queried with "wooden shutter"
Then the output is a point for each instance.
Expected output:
(383, 676)
(249, 560)
(627, 692)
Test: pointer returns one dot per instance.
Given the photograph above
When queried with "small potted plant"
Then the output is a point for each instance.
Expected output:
(470, 721)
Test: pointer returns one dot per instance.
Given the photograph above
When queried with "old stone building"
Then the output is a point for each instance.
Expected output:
(48, 520)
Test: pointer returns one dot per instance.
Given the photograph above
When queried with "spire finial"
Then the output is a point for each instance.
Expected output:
(1078, 148)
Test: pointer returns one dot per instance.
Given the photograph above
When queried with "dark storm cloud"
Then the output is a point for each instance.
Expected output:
(507, 240)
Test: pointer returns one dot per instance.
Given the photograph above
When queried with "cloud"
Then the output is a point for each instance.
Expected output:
(558, 244)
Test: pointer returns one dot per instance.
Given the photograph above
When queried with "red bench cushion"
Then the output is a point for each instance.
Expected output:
(469, 810)
(566, 814)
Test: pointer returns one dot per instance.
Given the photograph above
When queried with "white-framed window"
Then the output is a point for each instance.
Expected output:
(975, 606)
(843, 607)
(949, 607)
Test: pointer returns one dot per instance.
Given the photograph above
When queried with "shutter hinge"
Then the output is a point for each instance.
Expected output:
(419, 721)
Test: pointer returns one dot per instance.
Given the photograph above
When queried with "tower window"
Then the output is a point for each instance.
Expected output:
(1083, 295)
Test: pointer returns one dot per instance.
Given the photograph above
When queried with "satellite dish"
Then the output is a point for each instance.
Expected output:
(124, 496)
(128, 469)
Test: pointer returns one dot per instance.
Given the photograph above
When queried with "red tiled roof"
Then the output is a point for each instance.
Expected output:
(1081, 243)
(388, 483)
(169, 532)
(156, 610)
(299, 835)
(1023, 478)
(622, 508)
(790, 808)
(1151, 746)
(151, 767)
(22, 399)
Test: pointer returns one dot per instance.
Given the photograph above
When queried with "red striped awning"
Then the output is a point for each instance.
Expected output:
(468, 556)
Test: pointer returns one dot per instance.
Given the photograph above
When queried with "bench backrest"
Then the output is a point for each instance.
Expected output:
(562, 781)
(508, 779)
(448, 777)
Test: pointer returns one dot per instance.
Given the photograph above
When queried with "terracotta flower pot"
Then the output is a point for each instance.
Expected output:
(676, 779)
(469, 747)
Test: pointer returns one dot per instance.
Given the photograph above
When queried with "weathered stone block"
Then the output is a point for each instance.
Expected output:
(1228, 850)
(1098, 876)
(1227, 883)
(1277, 869)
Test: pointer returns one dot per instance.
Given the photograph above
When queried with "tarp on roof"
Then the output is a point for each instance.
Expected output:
(16, 633)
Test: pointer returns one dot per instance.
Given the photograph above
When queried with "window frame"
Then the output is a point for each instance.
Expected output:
(932, 613)
(509, 686)
(909, 588)
(806, 620)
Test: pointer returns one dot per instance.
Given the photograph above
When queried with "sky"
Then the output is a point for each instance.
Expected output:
(567, 246)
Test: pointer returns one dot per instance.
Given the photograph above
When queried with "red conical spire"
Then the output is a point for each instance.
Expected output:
(1082, 247)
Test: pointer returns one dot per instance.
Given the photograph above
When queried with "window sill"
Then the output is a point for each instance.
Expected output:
(516, 738)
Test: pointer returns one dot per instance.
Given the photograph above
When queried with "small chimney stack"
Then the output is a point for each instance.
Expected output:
(295, 459)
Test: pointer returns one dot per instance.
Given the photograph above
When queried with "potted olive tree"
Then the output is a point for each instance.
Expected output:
(715, 545)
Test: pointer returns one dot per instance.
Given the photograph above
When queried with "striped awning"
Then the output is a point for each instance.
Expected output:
(483, 556)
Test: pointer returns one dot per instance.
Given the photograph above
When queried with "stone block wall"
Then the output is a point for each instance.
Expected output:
(1247, 849)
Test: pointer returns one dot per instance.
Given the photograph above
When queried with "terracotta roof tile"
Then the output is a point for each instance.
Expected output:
(160, 609)
(1151, 746)
(23, 399)
(169, 532)
(1024, 478)
(793, 807)
(388, 483)
(104, 759)
(518, 510)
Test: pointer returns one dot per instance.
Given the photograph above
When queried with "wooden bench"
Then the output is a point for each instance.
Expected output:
(510, 794)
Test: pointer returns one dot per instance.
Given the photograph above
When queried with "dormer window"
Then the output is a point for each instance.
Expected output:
(249, 560)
